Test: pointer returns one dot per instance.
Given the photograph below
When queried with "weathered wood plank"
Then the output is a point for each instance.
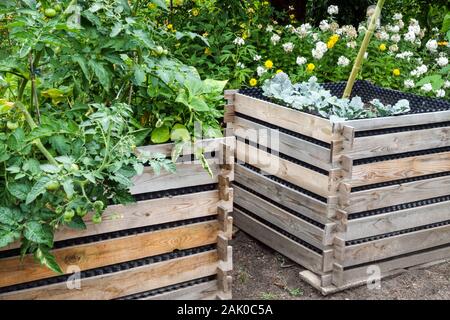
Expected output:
(290, 198)
(300, 122)
(109, 252)
(385, 144)
(281, 218)
(202, 291)
(397, 169)
(393, 246)
(284, 143)
(397, 220)
(126, 282)
(356, 276)
(144, 213)
(284, 169)
(396, 194)
(294, 251)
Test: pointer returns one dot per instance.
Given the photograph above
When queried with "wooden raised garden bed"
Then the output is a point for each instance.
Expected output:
(171, 244)
(340, 197)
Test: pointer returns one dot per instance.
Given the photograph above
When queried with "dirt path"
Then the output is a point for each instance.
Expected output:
(261, 273)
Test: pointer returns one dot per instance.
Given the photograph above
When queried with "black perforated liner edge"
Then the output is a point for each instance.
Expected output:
(376, 132)
(368, 91)
(174, 192)
(115, 235)
(111, 269)
(167, 289)
(396, 233)
(279, 230)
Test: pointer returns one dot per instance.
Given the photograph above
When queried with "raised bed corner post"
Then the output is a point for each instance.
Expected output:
(360, 58)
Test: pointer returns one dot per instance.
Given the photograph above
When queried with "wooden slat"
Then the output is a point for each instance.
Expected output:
(281, 218)
(300, 122)
(202, 291)
(396, 194)
(290, 198)
(398, 121)
(397, 220)
(284, 169)
(144, 213)
(397, 169)
(359, 275)
(187, 175)
(109, 252)
(284, 143)
(126, 282)
(385, 144)
(294, 251)
(393, 246)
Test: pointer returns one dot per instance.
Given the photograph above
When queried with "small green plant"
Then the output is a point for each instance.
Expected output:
(268, 296)
(295, 292)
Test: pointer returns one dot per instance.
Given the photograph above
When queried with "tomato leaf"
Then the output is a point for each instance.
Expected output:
(38, 233)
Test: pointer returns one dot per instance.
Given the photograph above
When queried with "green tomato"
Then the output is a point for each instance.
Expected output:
(12, 125)
(180, 133)
(52, 186)
(99, 205)
(57, 7)
(96, 218)
(160, 135)
(68, 215)
(81, 212)
(74, 167)
(50, 12)
(59, 210)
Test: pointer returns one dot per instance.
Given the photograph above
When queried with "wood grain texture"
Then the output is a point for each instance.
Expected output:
(291, 249)
(126, 282)
(284, 169)
(109, 252)
(397, 169)
(284, 143)
(300, 122)
(392, 246)
(290, 198)
(281, 218)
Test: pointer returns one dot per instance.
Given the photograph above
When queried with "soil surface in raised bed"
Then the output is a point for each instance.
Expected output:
(262, 273)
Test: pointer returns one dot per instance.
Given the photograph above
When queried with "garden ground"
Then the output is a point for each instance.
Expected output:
(279, 278)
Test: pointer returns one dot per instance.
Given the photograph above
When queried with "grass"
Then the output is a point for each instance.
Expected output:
(268, 296)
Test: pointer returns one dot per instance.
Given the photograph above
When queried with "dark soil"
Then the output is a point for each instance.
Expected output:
(261, 273)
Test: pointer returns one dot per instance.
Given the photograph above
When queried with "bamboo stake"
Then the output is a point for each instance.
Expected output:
(360, 58)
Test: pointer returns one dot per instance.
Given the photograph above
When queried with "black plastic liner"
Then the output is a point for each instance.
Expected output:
(376, 132)
(174, 192)
(167, 289)
(111, 269)
(289, 132)
(279, 205)
(285, 183)
(368, 91)
(115, 235)
(396, 233)
(285, 157)
(400, 181)
(398, 207)
(279, 230)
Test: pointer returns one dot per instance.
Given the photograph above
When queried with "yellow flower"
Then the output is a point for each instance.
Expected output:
(292, 16)
(151, 6)
(253, 82)
(382, 47)
(396, 72)
(332, 41)
(195, 12)
(268, 64)
(205, 34)
(208, 51)
(310, 67)
(244, 35)
(279, 71)
(170, 26)
(442, 43)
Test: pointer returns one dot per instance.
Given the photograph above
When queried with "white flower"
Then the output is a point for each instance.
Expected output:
(303, 30)
(420, 70)
(260, 26)
(332, 10)
(288, 47)
(324, 25)
(396, 38)
(315, 36)
(239, 41)
(393, 48)
(319, 50)
(410, 37)
(269, 28)
(427, 87)
(240, 65)
(394, 28)
(409, 83)
(432, 45)
(401, 24)
(442, 61)
(256, 58)
(362, 29)
(350, 31)
(275, 39)
(447, 84)
(397, 16)
(351, 44)
(343, 61)
(415, 28)
(383, 36)
(260, 71)
(440, 93)
(366, 55)
(301, 60)
(405, 55)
